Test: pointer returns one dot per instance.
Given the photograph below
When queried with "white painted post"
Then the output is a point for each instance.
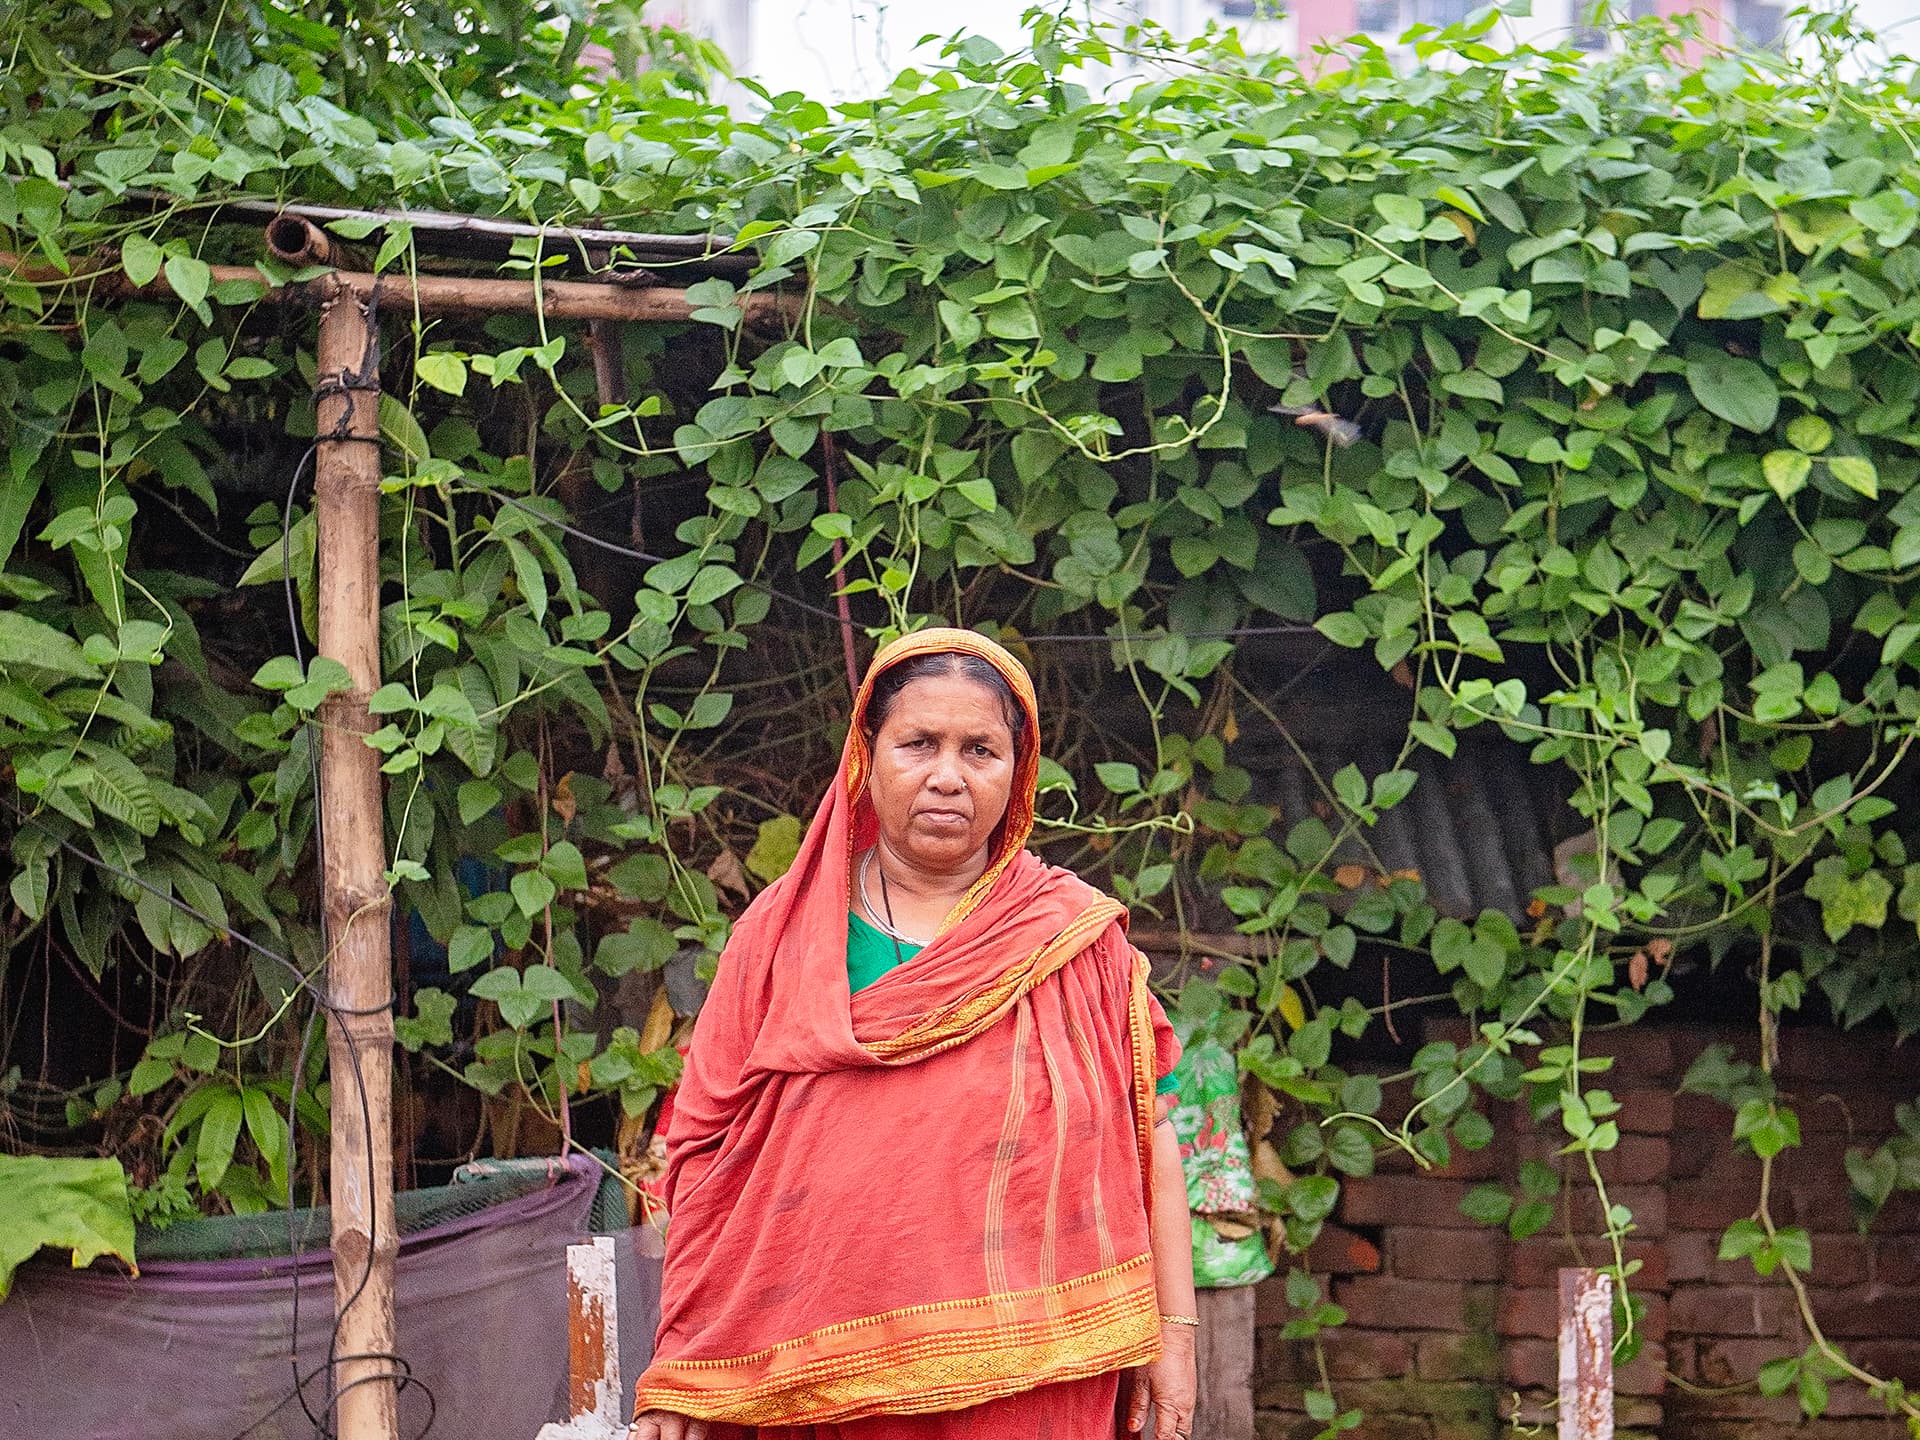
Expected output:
(1586, 1355)
(594, 1392)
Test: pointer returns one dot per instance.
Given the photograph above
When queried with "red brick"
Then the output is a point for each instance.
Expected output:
(1457, 1357)
(1652, 1323)
(1900, 1216)
(1536, 1313)
(1648, 1203)
(1451, 1402)
(1461, 1255)
(1832, 1062)
(1721, 1362)
(1537, 1263)
(1690, 1155)
(1350, 1354)
(1636, 1160)
(1731, 1365)
(1699, 1112)
(1413, 1200)
(1813, 1201)
(1782, 1411)
(1863, 1312)
(1530, 1312)
(1721, 1163)
(1487, 1163)
(1644, 1112)
(1732, 1310)
(1697, 1429)
(1896, 1263)
(1641, 1053)
(1270, 1302)
(1842, 1260)
(1693, 1256)
(1645, 1374)
(1846, 1400)
(1340, 1251)
(1386, 1302)
(1690, 1255)
(1539, 1413)
(1636, 1411)
(1856, 1114)
(1895, 1358)
(1530, 1363)
(1390, 1427)
(1707, 1205)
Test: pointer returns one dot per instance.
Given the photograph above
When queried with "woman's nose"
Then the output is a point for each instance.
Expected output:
(945, 775)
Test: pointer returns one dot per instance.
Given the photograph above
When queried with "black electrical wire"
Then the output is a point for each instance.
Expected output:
(402, 1374)
(349, 383)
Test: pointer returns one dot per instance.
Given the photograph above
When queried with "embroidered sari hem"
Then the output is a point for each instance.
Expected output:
(926, 1357)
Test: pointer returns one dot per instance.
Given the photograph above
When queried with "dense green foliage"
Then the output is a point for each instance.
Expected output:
(1628, 355)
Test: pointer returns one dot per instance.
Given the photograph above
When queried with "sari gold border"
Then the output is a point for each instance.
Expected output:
(959, 1022)
(1140, 1024)
(925, 1357)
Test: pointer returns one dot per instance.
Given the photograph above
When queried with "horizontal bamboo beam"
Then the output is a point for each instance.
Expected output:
(443, 232)
(430, 294)
(500, 234)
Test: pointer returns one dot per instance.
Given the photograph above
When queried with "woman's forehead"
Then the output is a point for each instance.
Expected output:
(943, 701)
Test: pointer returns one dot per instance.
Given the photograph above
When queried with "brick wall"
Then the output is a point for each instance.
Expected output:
(1451, 1325)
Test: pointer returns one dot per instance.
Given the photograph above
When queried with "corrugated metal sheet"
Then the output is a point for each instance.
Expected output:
(1478, 829)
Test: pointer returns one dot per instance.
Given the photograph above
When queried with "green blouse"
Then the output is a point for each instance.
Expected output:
(871, 953)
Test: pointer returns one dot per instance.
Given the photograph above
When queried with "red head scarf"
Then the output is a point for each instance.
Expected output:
(932, 1193)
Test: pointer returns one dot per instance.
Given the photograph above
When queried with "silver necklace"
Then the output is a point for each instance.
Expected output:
(883, 920)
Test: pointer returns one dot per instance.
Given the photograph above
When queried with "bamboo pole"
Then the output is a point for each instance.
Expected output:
(484, 235)
(354, 895)
(430, 294)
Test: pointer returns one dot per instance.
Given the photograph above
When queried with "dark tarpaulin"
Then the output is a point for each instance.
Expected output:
(198, 1350)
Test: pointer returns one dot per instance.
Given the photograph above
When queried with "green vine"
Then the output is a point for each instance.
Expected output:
(1567, 405)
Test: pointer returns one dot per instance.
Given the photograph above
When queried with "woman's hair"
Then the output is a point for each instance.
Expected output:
(943, 663)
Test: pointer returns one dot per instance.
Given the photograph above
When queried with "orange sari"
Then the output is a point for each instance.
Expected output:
(931, 1196)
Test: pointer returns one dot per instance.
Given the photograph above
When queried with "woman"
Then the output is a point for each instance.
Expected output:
(915, 1184)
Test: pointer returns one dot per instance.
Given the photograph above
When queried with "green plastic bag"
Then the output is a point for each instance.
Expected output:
(1228, 1246)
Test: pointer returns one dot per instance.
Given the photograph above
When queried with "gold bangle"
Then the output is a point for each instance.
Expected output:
(1179, 1319)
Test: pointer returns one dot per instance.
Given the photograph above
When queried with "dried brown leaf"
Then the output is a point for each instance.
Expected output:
(726, 873)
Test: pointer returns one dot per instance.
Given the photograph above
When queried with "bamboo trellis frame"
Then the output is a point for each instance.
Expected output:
(355, 897)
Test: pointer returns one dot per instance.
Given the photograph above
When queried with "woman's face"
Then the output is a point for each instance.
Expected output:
(942, 772)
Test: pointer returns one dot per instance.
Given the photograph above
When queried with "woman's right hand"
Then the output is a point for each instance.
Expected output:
(666, 1425)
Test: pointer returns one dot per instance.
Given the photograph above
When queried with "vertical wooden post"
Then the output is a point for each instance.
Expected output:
(595, 1396)
(1586, 1355)
(1224, 1357)
(354, 894)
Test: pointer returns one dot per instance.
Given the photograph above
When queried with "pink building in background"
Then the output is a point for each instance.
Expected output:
(1318, 22)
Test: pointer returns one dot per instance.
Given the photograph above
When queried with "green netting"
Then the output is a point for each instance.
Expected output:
(475, 1188)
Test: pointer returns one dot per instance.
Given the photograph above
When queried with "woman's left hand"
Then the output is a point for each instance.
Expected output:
(1170, 1385)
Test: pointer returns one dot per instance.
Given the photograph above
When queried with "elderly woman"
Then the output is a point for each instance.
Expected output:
(915, 1181)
